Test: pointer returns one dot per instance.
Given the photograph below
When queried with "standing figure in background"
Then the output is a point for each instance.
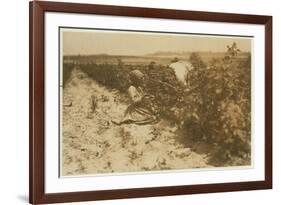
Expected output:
(181, 70)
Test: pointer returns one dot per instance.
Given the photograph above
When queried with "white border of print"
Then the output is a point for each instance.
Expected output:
(56, 184)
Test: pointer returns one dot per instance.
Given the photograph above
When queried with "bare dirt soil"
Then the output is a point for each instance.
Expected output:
(91, 144)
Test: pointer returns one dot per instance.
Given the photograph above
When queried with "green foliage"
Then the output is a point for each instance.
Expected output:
(197, 61)
(215, 109)
(223, 107)
(163, 85)
(67, 69)
(160, 81)
(109, 75)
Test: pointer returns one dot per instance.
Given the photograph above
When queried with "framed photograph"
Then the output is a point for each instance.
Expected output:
(140, 102)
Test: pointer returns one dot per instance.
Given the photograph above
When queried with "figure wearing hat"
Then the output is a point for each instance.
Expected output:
(140, 110)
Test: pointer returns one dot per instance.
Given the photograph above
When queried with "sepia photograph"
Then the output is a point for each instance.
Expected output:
(148, 101)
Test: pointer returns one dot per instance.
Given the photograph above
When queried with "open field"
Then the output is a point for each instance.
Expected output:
(163, 58)
(206, 126)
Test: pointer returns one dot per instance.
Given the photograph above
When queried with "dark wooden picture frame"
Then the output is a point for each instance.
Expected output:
(37, 193)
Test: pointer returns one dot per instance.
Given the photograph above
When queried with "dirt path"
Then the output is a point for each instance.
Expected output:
(92, 144)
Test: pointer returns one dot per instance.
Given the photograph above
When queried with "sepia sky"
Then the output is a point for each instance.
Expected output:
(87, 42)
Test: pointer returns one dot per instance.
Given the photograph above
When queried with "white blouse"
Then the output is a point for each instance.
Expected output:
(135, 94)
